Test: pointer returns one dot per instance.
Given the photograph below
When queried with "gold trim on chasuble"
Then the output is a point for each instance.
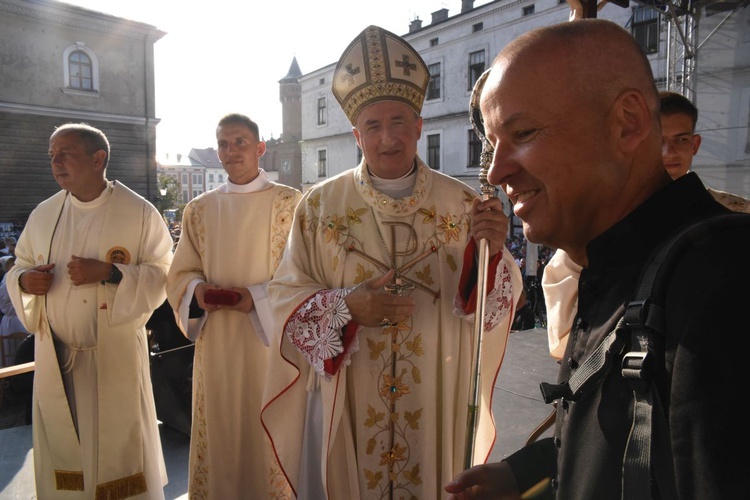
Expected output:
(119, 488)
(283, 212)
(196, 219)
(122, 488)
(69, 480)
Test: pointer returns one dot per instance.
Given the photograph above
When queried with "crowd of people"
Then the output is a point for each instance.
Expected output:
(334, 330)
(517, 245)
(175, 229)
(7, 246)
(10, 325)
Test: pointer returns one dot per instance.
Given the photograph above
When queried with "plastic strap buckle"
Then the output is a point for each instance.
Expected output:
(637, 370)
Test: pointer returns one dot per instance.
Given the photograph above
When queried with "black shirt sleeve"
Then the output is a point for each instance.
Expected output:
(534, 463)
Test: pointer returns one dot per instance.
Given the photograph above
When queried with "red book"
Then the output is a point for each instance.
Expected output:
(222, 297)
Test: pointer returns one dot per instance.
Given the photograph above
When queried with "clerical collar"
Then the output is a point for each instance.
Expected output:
(395, 188)
(257, 184)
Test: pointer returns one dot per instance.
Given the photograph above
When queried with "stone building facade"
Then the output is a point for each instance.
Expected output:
(62, 63)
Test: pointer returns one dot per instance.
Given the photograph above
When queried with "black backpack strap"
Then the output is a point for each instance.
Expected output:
(637, 369)
(590, 371)
(644, 318)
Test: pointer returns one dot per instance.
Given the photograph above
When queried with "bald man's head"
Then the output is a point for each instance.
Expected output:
(599, 57)
(573, 114)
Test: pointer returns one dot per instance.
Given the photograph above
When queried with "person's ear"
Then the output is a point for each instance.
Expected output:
(356, 137)
(696, 143)
(99, 157)
(261, 148)
(633, 120)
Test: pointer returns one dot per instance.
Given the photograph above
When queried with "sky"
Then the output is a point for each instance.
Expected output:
(224, 56)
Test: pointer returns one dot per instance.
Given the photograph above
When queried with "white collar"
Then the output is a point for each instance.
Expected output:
(395, 188)
(258, 184)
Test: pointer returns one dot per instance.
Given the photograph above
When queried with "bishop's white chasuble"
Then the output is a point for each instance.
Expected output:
(394, 398)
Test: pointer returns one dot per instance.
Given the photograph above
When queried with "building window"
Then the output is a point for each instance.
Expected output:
(185, 179)
(80, 71)
(322, 81)
(196, 193)
(646, 28)
(433, 151)
(321, 110)
(210, 177)
(433, 42)
(477, 27)
(475, 149)
(322, 161)
(433, 89)
(528, 10)
(476, 67)
(221, 177)
(197, 180)
(185, 197)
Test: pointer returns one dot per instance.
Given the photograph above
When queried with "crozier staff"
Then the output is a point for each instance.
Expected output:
(488, 191)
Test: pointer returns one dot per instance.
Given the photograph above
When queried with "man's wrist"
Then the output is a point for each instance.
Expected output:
(115, 276)
(20, 284)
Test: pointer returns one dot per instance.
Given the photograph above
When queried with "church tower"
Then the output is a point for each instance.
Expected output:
(289, 149)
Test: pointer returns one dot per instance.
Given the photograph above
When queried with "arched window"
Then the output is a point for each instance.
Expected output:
(80, 71)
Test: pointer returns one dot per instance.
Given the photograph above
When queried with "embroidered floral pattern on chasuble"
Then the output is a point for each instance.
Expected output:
(194, 218)
(199, 477)
(283, 209)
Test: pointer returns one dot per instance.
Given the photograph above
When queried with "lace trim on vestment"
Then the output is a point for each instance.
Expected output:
(499, 301)
(315, 328)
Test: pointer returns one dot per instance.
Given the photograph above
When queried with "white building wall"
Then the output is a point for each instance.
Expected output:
(335, 135)
(723, 90)
(219, 177)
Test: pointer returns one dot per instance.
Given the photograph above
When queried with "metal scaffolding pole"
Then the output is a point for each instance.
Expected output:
(682, 29)
(682, 18)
